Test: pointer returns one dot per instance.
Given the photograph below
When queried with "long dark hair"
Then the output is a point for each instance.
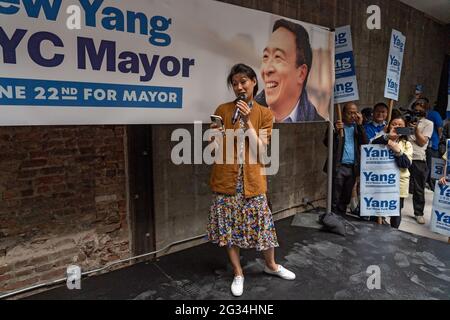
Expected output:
(244, 69)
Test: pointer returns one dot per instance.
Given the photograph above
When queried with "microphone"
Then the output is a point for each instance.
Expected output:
(236, 114)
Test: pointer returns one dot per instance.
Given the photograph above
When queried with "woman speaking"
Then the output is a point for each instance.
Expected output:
(240, 216)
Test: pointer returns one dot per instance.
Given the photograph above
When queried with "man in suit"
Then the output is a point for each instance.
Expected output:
(285, 68)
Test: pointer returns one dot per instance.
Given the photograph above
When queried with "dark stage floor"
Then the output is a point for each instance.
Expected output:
(327, 266)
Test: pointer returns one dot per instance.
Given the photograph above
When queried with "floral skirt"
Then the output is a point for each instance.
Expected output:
(237, 221)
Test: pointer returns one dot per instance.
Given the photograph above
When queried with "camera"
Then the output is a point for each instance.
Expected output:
(412, 116)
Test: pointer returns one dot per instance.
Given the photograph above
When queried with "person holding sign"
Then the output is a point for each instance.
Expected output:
(240, 216)
(346, 156)
(380, 114)
(403, 153)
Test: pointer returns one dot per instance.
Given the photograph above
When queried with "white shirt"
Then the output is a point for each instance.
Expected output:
(292, 117)
(425, 127)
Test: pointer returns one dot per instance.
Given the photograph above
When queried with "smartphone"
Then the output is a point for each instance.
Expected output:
(406, 131)
(217, 120)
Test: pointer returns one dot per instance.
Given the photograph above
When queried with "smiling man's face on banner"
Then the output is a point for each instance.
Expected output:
(282, 77)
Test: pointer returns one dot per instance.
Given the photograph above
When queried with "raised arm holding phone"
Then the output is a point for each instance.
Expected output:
(423, 130)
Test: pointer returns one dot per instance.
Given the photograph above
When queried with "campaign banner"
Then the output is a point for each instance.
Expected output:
(440, 213)
(437, 168)
(379, 182)
(346, 86)
(394, 65)
(147, 61)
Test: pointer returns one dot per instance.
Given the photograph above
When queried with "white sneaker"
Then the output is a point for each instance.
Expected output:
(237, 287)
(281, 272)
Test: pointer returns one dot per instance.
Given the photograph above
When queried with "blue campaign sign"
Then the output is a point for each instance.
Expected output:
(344, 65)
(340, 40)
(394, 65)
(380, 181)
(380, 204)
(440, 222)
(440, 213)
(377, 179)
(343, 39)
(442, 195)
(346, 86)
(372, 154)
(437, 168)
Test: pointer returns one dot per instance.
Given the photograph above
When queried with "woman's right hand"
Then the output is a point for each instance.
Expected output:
(214, 126)
(443, 181)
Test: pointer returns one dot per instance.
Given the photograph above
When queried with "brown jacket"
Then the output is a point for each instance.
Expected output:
(224, 176)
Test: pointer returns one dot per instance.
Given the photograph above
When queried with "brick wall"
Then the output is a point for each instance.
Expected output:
(62, 201)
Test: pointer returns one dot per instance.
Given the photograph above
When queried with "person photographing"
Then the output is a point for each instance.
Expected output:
(423, 130)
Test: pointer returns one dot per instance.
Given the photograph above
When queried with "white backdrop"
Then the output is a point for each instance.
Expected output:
(214, 34)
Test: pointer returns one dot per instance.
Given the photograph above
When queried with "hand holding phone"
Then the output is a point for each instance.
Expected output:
(217, 124)
(217, 121)
(405, 131)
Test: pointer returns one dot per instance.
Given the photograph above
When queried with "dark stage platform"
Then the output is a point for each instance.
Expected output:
(327, 266)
